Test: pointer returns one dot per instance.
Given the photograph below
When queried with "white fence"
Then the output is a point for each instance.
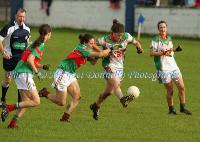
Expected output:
(181, 21)
(97, 15)
(92, 15)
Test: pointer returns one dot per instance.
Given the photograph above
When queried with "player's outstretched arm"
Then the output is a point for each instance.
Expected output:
(96, 48)
(103, 53)
(138, 47)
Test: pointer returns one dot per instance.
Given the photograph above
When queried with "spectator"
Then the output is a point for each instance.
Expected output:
(197, 3)
(178, 2)
(115, 4)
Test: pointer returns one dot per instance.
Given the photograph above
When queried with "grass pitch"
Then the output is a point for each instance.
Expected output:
(145, 120)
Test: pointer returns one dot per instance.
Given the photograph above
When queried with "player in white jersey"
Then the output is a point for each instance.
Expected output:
(167, 70)
(118, 40)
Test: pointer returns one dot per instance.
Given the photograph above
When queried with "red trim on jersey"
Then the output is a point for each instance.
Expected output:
(37, 60)
(163, 36)
(113, 39)
(77, 57)
(27, 52)
(25, 55)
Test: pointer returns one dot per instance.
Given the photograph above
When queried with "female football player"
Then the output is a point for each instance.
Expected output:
(118, 39)
(23, 75)
(168, 72)
(65, 78)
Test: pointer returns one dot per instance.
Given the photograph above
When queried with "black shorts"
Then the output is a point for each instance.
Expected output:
(9, 65)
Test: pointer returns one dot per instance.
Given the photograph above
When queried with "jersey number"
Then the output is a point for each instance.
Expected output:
(118, 54)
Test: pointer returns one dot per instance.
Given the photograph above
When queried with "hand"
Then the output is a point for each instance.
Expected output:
(46, 67)
(6, 55)
(139, 50)
(106, 52)
(39, 75)
(178, 49)
(168, 53)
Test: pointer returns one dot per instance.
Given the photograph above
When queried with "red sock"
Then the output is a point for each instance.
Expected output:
(10, 107)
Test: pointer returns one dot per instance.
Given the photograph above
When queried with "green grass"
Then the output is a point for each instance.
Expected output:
(145, 120)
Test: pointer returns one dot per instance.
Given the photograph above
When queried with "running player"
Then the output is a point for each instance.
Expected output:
(168, 72)
(65, 78)
(113, 65)
(23, 75)
(16, 38)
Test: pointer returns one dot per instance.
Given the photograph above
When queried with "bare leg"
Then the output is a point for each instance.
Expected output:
(169, 96)
(116, 87)
(34, 99)
(74, 91)
(59, 98)
(25, 97)
(181, 90)
(29, 99)
(105, 94)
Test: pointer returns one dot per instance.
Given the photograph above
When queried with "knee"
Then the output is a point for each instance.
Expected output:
(61, 103)
(37, 102)
(116, 85)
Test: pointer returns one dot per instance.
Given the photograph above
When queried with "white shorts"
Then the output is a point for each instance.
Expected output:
(114, 73)
(62, 80)
(25, 81)
(168, 76)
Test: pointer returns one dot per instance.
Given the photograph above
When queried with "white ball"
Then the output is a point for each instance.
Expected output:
(133, 90)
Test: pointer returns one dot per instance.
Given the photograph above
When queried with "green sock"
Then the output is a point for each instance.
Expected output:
(15, 117)
(182, 106)
(16, 105)
(171, 108)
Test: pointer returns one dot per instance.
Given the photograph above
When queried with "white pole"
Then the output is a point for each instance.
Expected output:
(139, 30)
(158, 3)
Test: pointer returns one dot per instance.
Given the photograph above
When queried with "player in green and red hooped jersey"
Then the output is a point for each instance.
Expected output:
(23, 75)
(113, 65)
(64, 77)
(168, 72)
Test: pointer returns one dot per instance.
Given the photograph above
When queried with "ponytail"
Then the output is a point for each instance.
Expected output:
(85, 38)
(117, 27)
(43, 31)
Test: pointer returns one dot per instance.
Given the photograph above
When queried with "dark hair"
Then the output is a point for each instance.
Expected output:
(21, 10)
(85, 38)
(117, 27)
(162, 21)
(44, 29)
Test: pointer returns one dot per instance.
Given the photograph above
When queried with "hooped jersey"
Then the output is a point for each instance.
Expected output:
(116, 59)
(163, 63)
(23, 66)
(75, 59)
(15, 38)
